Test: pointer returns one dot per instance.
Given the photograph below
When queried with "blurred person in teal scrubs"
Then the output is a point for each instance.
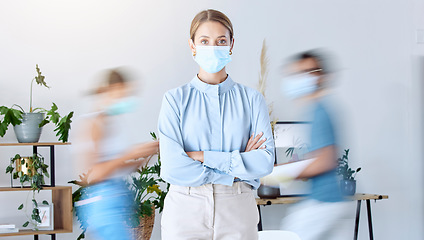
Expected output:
(316, 217)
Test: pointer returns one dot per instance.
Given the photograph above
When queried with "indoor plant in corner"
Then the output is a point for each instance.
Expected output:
(28, 125)
(148, 196)
(348, 182)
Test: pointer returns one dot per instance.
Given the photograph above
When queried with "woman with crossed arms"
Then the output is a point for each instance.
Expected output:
(215, 143)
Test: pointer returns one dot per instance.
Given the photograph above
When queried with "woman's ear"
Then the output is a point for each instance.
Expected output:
(232, 44)
(192, 47)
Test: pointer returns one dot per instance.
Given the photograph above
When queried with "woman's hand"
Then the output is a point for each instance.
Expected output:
(254, 143)
(198, 156)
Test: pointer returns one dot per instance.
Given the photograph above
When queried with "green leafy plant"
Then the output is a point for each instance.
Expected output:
(144, 183)
(147, 191)
(13, 115)
(343, 168)
(30, 170)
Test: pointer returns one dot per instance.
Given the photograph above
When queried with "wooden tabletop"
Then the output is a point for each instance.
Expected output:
(35, 144)
(290, 199)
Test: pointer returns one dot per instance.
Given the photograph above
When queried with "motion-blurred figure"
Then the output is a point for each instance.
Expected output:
(103, 149)
(316, 217)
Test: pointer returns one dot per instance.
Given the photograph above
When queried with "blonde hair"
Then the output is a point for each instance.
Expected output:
(210, 15)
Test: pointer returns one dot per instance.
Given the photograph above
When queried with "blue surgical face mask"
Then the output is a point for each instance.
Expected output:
(299, 85)
(125, 105)
(212, 59)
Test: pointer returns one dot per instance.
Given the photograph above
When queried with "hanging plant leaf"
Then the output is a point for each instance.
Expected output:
(45, 202)
(21, 206)
(9, 169)
(25, 224)
(35, 203)
(63, 127)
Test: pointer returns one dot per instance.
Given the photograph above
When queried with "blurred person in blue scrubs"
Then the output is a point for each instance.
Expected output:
(105, 150)
(215, 143)
(317, 217)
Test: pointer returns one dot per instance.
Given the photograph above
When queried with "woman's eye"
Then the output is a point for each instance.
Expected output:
(222, 42)
(204, 41)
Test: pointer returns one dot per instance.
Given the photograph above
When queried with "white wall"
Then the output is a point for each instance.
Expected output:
(379, 86)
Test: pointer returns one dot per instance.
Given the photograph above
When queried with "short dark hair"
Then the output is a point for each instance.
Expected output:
(114, 77)
(321, 57)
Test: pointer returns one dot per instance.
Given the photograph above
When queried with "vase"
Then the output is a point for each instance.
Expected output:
(145, 229)
(29, 131)
(348, 187)
(268, 192)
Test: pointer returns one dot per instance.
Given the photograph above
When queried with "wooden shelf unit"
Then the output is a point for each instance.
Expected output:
(61, 197)
(62, 208)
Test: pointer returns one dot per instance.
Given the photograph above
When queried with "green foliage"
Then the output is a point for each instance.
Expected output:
(63, 127)
(39, 79)
(343, 168)
(37, 170)
(147, 192)
(13, 115)
(145, 184)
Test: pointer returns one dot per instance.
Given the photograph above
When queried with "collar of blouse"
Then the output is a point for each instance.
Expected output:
(212, 88)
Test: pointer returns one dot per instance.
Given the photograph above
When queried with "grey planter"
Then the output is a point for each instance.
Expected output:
(348, 187)
(28, 131)
(268, 192)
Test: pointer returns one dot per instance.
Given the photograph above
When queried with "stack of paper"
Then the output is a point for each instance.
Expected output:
(286, 173)
(8, 228)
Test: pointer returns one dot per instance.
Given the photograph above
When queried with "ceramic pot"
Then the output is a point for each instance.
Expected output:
(268, 192)
(28, 131)
(348, 187)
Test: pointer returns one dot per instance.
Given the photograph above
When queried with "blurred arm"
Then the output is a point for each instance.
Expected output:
(101, 170)
(324, 162)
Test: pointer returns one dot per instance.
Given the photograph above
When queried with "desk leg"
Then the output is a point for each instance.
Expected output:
(35, 237)
(369, 220)
(358, 213)
(53, 236)
(260, 218)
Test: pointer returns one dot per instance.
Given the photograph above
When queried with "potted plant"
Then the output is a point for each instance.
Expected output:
(348, 182)
(148, 196)
(28, 125)
(30, 170)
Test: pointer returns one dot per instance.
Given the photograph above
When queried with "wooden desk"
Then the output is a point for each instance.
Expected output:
(359, 197)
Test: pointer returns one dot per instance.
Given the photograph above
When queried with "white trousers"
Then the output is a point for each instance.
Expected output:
(210, 212)
(315, 220)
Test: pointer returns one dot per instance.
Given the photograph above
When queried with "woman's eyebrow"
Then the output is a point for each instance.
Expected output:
(204, 36)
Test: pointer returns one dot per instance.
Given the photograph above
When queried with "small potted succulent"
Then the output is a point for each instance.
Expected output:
(348, 182)
(28, 125)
